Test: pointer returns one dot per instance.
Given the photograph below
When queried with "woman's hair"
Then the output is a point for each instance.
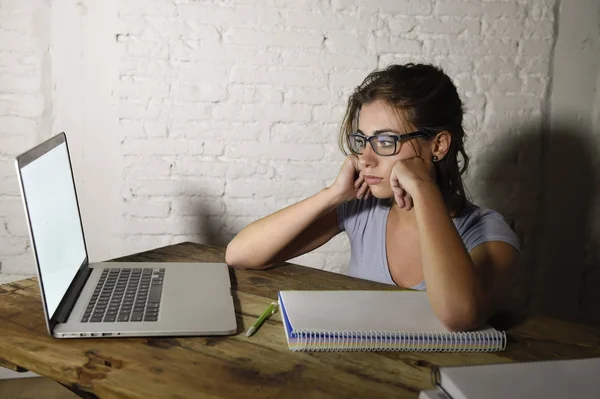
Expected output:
(426, 97)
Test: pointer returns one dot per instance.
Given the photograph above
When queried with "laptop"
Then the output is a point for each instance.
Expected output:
(109, 299)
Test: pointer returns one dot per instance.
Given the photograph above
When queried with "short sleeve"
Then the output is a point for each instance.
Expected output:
(352, 215)
(485, 225)
(341, 216)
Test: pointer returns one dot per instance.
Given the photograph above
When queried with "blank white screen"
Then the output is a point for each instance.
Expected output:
(55, 223)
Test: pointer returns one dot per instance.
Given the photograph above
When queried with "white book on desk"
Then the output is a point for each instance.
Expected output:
(374, 320)
(551, 379)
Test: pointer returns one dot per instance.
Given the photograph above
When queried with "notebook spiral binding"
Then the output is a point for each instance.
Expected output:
(473, 341)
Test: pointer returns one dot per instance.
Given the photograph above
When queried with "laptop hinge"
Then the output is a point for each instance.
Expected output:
(70, 298)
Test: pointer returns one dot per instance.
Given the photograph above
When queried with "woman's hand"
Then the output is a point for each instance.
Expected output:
(350, 183)
(406, 176)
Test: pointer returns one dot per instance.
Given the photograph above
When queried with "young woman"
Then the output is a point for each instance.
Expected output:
(400, 198)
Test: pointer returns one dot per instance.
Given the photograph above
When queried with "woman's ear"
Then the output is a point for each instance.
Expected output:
(441, 145)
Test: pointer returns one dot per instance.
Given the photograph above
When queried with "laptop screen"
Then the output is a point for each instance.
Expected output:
(55, 224)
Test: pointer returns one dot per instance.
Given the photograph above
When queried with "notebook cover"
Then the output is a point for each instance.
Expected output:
(370, 320)
(556, 379)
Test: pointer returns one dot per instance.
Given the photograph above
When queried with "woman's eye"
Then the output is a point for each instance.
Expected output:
(386, 143)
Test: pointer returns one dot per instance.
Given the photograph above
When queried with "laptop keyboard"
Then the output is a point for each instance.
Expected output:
(128, 294)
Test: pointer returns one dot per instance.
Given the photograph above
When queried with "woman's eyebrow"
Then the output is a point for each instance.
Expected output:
(380, 131)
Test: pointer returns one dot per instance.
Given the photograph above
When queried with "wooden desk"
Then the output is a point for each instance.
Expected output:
(260, 366)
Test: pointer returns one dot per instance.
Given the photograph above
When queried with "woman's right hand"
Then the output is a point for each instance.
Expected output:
(350, 183)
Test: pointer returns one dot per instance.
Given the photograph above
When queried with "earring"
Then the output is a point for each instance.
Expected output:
(435, 159)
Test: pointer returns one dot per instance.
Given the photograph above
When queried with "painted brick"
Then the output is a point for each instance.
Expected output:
(487, 9)
(345, 42)
(142, 88)
(403, 7)
(503, 28)
(13, 125)
(293, 4)
(17, 227)
(193, 93)
(302, 134)
(22, 264)
(160, 8)
(328, 113)
(507, 83)
(495, 64)
(322, 21)
(171, 225)
(14, 41)
(297, 58)
(138, 47)
(146, 207)
(174, 187)
(191, 166)
(11, 207)
(131, 109)
(275, 151)
(448, 25)
(260, 112)
(470, 47)
(160, 147)
(147, 169)
(197, 206)
(542, 10)
(280, 76)
(244, 188)
(306, 170)
(189, 111)
(203, 13)
(399, 24)
(253, 37)
(15, 144)
(349, 78)
(244, 169)
(311, 96)
(536, 29)
(12, 83)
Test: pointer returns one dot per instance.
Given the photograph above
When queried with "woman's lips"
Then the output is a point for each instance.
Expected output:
(373, 180)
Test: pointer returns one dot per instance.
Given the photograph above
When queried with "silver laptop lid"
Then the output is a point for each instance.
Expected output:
(54, 222)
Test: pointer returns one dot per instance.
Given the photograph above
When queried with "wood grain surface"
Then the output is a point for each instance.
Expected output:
(260, 366)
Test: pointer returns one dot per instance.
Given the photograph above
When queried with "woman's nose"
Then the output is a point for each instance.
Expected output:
(368, 157)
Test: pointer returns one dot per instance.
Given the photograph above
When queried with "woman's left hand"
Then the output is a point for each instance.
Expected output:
(406, 176)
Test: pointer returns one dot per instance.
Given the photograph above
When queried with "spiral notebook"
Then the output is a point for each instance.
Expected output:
(374, 321)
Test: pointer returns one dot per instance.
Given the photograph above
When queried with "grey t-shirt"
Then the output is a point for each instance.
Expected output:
(365, 223)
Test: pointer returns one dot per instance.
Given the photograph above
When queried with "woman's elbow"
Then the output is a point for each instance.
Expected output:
(234, 256)
(461, 318)
(240, 259)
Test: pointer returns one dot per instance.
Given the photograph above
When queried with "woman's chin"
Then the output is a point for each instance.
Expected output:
(381, 193)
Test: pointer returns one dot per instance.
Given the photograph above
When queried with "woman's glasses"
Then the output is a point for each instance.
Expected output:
(384, 144)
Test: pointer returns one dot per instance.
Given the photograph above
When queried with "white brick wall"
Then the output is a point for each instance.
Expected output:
(239, 104)
(21, 113)
(226, 111)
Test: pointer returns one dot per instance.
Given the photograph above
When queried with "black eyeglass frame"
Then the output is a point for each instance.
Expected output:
(397, 138)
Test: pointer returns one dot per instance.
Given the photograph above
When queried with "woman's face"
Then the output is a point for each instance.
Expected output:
(376, 118)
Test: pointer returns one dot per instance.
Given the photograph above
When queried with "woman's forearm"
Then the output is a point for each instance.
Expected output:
(452, 285)
(259, 242)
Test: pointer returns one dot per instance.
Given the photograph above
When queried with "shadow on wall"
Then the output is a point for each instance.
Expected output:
(207, 228)
(213, 230)
(544, 181)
